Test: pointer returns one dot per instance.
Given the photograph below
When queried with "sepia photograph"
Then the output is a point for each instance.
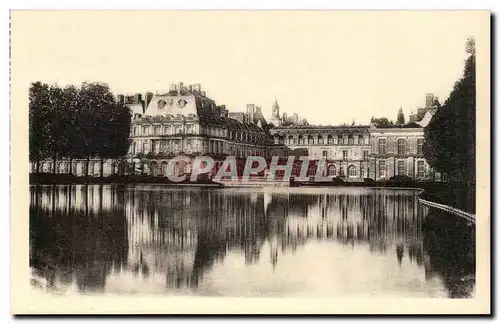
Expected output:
(250, 162)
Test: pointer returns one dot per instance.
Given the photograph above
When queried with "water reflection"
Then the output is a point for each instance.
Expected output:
(331, 241)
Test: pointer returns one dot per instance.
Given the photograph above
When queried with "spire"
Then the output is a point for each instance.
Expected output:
(276, 108)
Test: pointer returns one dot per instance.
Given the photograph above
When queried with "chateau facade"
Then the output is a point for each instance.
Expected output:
(363, 151)
(358, 152)
(184, 121)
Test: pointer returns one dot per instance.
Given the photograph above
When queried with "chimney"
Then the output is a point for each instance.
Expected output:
(250, 112)
(204, 93)
(429, 99)
(137, 97)
(120, 98)
(172, 87)
(197, 87)
(190, 87)
(129, 99)
(148, 96)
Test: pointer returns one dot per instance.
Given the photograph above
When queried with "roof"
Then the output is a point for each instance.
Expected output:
(230, 123)
(408, 125)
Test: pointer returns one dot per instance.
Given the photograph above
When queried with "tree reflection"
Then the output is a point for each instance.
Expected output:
(82, 246)
(450, 245)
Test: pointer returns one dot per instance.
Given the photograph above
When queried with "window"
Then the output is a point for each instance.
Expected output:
(157, 130)
(401, 146)
(341, 141)
(420, 169)
(382, 146)
(360, 140)
(320, 140)
(166, 130)
(329, 140)
(362, 172)
(350, 141)
(381, 169)
(420, 146)
(365, 155)
(335, 141)
(144, 147)
(332, 171)
(325, 153)
(136, 130)
(145, 130)
(351, 171)
(344, 154)
(311, 141)
(367, 140)
(177, 129)
(401, 167)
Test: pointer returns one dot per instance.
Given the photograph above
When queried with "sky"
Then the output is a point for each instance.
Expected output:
(330, 67)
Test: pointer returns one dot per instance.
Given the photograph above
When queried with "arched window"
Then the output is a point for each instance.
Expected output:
(332, 171)
(120, 168)
(351, 171)
(154, 168)
(79, 168)
(164, 165)
(97, 169)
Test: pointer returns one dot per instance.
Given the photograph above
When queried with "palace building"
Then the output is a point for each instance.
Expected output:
(185, 121)
(364, 151)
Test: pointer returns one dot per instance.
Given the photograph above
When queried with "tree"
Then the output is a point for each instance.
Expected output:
(401, 117)
(68, 124)
(39, 101)
(450, 137)
(104, 124)
(381, 122)
(47, 123)
(77, 123)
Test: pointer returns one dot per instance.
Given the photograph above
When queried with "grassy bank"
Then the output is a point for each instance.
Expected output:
(458, 195)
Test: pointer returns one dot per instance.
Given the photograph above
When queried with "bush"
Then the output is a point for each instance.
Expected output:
(368, 181)
(401, 178)
(337, 181)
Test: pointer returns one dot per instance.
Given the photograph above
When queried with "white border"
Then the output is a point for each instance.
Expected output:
(187, 4)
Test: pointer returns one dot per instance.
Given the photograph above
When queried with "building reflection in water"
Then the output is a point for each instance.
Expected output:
(157, 239)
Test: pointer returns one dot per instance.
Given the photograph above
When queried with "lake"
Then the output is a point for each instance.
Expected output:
(259, 242)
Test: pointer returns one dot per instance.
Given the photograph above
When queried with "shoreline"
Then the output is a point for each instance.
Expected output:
(452, 197)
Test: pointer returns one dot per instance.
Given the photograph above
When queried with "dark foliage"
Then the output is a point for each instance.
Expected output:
(401, 117)
(450, 137)
(381, 122)
(75, 122)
